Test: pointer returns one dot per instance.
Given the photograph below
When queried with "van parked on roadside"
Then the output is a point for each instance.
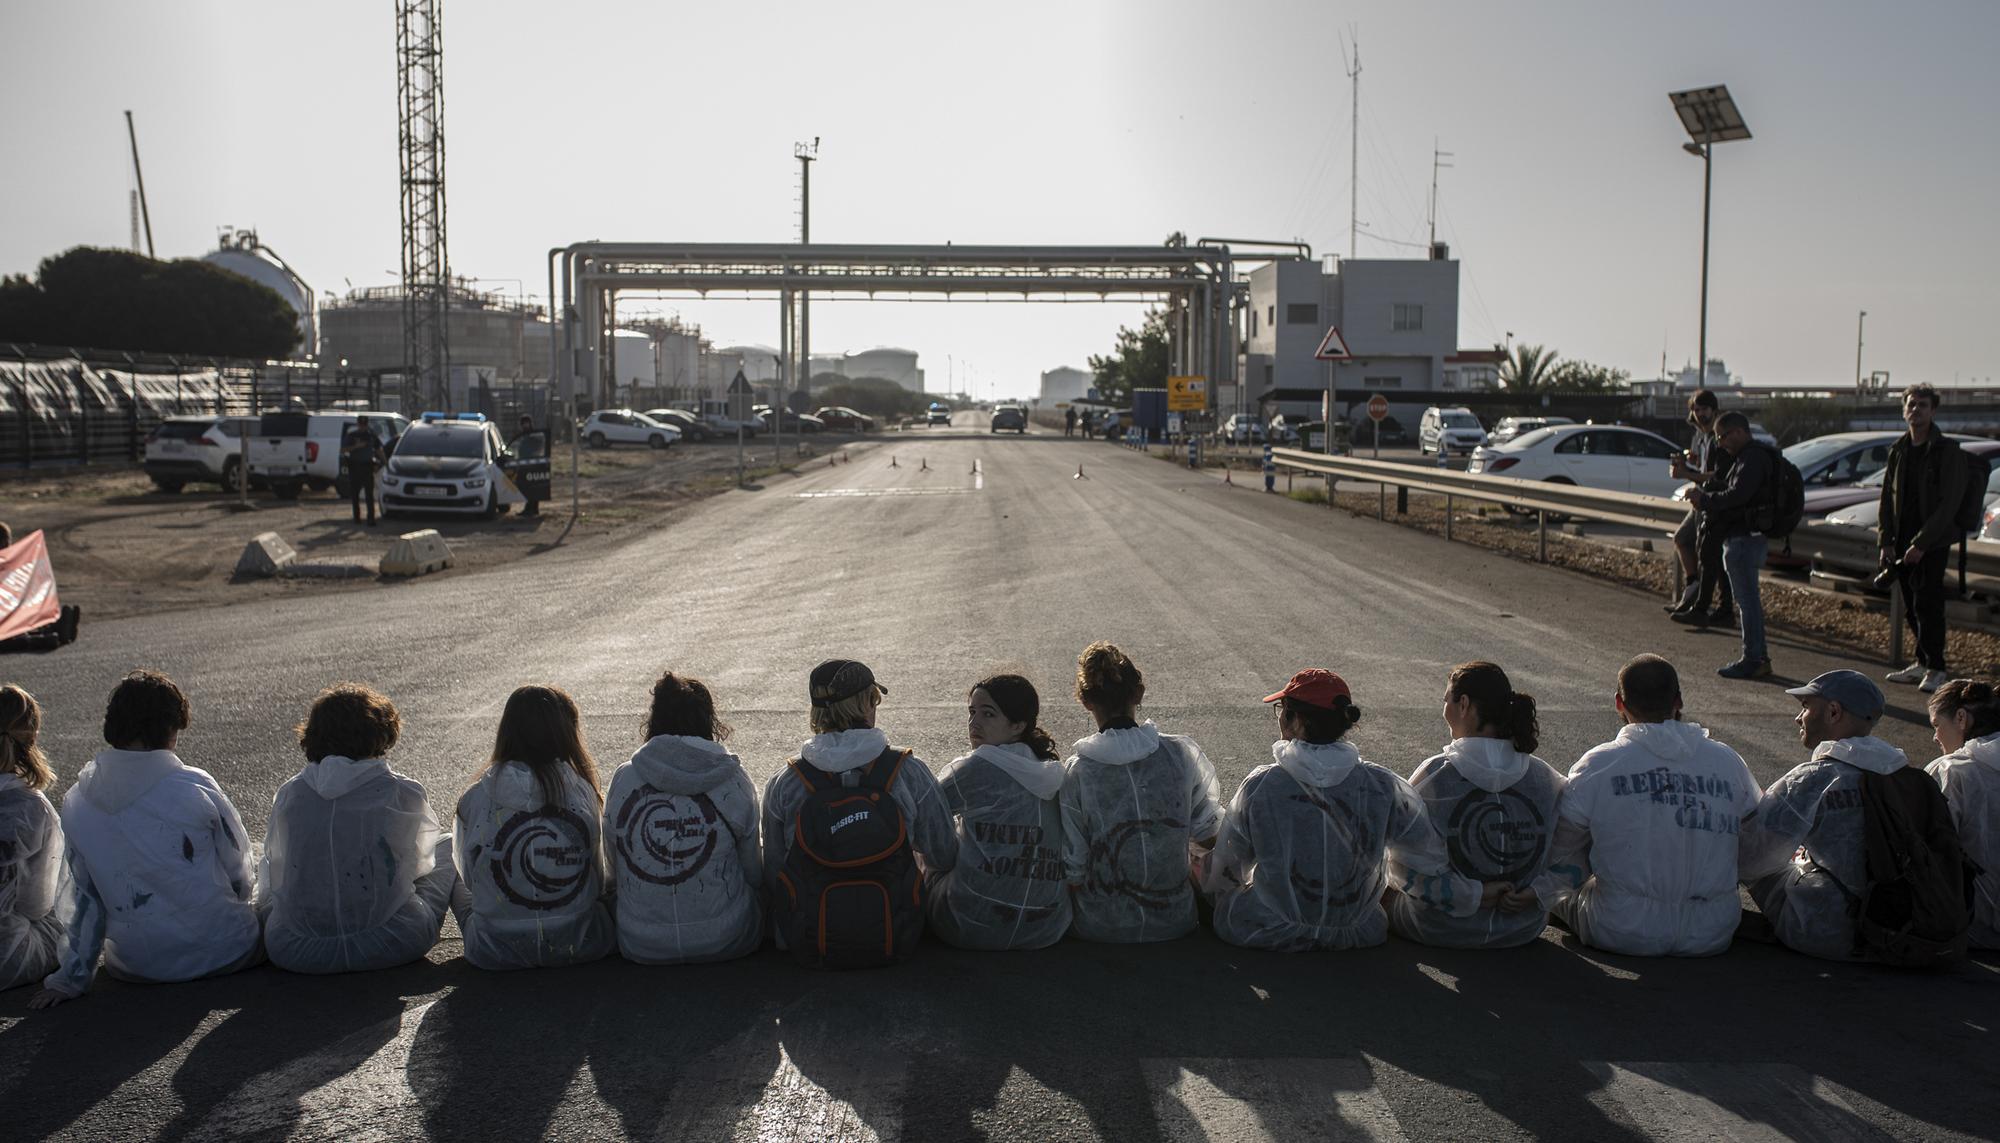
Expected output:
(1449, 429)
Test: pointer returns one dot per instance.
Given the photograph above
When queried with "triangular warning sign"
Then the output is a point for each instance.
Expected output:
(1334, 348)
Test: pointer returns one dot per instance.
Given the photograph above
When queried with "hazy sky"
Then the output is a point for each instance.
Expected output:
(1870, 183)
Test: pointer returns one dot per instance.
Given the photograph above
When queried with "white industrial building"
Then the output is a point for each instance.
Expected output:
(1066, 383)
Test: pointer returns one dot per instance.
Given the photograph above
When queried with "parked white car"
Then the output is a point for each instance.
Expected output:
(608, 427)
(1449, 430)
(197, 450)
(1612, 457)
(1511, 427)
(290, 450)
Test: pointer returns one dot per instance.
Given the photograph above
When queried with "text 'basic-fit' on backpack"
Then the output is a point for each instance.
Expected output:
(1787, 504)
(854, 897)
(1916, 909)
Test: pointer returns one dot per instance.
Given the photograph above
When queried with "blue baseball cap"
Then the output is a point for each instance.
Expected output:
(1854, 691)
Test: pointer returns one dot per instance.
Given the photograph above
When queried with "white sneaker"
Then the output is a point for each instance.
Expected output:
(1932, 681)
(1910, 674)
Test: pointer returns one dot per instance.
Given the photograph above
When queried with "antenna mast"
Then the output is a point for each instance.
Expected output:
(1437, 161)
(133, 133)
(1354, 140)
(420, 131)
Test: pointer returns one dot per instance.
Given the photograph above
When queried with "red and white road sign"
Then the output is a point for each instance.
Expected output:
(1378, 407)
(1334, 347)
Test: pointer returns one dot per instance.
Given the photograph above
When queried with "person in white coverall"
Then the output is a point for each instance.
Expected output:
(1008, 890)
(1494, 803)
(524, 840)
(357, 874)
(160, 877)
(1138, 809)
(31, 846)
(1804, 858)
(680, 837)
(1644, 859)
(1965, 720)
(1313, 838)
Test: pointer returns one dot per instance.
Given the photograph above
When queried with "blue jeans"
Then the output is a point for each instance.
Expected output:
(1742, 557)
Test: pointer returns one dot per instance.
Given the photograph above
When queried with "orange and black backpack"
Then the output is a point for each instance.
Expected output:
(851, 895)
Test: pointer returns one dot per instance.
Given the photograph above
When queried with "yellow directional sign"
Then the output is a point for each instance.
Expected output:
(1187, 394)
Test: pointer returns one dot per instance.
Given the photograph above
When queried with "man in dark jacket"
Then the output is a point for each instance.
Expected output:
(363, 454)
(1917, 527)
(1739, 513)
(1700, 549)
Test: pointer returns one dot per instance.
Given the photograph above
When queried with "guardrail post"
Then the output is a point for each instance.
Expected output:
(1896, 624)
(1447, 517)
(1402, 500)
(1541, 535)
(1381, 499)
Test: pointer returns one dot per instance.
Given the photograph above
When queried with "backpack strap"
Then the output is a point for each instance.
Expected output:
(799, 769)
(881, 774)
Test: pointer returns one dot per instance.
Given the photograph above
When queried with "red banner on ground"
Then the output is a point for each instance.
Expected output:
(27, 587)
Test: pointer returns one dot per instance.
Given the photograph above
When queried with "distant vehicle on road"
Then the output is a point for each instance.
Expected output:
(1012, 417)
(1511, 427)
(608, 427)
(1612, 457)
(842, 417)
(198, 450)
(692, 428)
(938, 414)
(1448, 430)
(444, 466)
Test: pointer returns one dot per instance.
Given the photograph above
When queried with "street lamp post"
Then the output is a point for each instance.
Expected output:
(1860, 324)
(1711, 117)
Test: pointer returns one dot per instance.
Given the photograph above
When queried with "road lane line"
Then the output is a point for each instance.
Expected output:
(1726, 1100)
(1239, 1100)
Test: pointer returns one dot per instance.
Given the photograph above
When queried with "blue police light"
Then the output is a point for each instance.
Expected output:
(432, 418)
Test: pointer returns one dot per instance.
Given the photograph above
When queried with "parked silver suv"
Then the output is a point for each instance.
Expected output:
(197, 450)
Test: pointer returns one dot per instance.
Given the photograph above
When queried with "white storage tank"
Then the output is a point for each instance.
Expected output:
(241, 254)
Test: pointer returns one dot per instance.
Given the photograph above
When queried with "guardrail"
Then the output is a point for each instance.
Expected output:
(1816, 541)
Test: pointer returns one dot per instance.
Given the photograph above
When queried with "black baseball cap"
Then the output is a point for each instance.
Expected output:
(838, 679)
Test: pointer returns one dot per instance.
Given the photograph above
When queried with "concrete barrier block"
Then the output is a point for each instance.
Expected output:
(265, 555)
(416, 553)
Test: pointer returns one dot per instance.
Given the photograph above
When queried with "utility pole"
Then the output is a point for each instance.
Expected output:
(1437, 161)
(806, 153)
(139, 175)
(1859, 325)
(1354, 148)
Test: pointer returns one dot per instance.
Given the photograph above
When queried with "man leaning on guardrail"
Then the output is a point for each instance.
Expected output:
(1733, 510)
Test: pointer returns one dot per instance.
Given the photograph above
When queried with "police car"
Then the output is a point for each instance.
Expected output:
(447, 462)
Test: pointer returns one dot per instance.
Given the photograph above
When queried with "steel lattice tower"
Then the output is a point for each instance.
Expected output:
(426, 271)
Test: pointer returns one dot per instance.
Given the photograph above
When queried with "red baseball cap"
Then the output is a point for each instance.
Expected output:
(1314, 686)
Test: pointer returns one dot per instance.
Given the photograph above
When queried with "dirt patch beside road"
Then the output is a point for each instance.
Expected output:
(121, 547)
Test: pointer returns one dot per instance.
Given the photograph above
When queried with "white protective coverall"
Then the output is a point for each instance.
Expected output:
(916, 792)
(1644, 861)
(530, 876)
(1133, 803)
(1817, 806)
(1495, 808)
(159, 873)
(1970, 778)
(1008, 890)
(680, 841)
(1310, 842)
(357, 875)
(31, 863)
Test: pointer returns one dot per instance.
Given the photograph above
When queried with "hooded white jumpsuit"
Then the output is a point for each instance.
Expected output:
(1970, 778)
(1644, 861)
(1818, 807)
(159, 874)
(680, 840)
(1310, 842)
(530, 876)
(357, 874)
(1008, 890)
(925, 817)
(1133, 803)
(31, 862)
(1495, 808)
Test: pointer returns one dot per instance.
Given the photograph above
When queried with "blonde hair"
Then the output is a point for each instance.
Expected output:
(1107, 681)
(850, 713)
(20, 723)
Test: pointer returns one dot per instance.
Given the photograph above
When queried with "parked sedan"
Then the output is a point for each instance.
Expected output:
(608, 427)
(842, 417)
(1840, 458)
(692, 427)
(1511, 427)
(795, 423)
(1616, 458)
(1867, 511)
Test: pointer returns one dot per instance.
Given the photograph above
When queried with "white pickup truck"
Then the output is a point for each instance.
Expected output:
(291, 451)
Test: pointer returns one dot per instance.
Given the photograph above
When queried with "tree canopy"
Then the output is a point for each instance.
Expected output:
(1138, 362)
(115, 299)
(876, 396)
(1531, 370)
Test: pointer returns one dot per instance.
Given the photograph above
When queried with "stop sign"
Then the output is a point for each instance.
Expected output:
(1378, 407)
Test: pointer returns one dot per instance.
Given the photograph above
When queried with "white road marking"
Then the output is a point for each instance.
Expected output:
(836, 493)
(1722, 1100)
(1239, 1100)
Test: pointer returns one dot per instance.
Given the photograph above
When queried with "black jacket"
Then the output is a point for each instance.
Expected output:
(1940, 485)
(1747, 487)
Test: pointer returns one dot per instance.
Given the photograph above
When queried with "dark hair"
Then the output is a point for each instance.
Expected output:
(1975, 698)
(20, 723)
(146, 707)
(683, 705)
(1651, 688)
(1018, 702)
(1923, 389)
(1107, 681)
(1320, 725)
(1703, 399)
(349, 720)
(6, 535)
(1497, 704)
(1733, 419)
(542, 729)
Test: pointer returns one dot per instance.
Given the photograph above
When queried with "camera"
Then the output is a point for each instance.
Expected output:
(1885, 578)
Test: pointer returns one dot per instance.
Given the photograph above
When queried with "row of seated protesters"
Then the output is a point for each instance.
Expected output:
(1638, 850)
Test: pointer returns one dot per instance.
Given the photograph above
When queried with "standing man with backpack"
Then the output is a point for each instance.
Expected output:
(1700, 549)
(1741, 511)
(1918, 525)
(1859, 818)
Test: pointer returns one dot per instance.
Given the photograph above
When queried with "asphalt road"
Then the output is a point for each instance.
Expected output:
(974, 554)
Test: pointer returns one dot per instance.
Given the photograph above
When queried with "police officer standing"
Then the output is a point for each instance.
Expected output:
(530, 489)
(363, 454)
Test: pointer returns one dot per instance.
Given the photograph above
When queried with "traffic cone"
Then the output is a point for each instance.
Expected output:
(1079, 473)
(926, 467)
(1225, 476)
(892, 461)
